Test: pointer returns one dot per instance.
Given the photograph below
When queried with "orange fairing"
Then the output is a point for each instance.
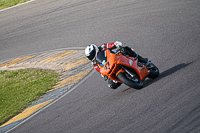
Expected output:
(132, 63)
(110, 63)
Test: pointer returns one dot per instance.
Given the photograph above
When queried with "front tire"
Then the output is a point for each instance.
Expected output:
(123, 78)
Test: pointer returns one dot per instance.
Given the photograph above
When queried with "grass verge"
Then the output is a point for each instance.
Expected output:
(9, 3)
(18, 89)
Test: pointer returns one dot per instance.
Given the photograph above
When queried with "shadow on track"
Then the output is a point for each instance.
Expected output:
(164, 74)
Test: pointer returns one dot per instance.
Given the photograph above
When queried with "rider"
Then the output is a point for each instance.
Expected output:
(92, 51)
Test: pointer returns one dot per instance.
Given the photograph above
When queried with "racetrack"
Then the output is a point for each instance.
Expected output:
(165, 31)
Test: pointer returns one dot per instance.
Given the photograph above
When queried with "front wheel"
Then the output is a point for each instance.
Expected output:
(136, 83)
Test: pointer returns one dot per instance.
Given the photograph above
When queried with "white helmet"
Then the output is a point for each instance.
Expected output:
(91, 51)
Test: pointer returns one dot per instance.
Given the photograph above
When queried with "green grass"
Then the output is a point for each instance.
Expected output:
(18, 89)
(9, 3)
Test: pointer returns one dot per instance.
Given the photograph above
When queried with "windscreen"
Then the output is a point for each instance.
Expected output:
(101, 58)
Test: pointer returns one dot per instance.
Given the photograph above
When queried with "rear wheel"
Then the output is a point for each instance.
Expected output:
(134, 82)
(154, 71)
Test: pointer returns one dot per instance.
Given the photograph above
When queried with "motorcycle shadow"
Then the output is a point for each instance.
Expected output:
(166, 73)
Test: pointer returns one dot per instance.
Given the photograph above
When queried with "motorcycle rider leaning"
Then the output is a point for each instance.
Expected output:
(91, 52)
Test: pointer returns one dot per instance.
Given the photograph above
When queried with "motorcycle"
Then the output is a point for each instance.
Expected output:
(125, 69)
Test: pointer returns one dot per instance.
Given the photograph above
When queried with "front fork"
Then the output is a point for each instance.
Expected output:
(132, 76)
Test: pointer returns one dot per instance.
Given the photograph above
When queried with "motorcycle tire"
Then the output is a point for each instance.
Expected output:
(121, 76)
(154, 72)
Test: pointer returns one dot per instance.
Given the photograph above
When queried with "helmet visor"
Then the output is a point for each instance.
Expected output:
(92, 55)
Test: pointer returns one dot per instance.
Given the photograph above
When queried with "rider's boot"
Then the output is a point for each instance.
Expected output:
(113, 84)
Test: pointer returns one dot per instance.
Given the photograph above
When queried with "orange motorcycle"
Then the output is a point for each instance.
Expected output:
(125, 69)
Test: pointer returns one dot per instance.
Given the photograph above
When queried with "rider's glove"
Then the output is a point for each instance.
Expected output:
(118, 44)
(103, 47)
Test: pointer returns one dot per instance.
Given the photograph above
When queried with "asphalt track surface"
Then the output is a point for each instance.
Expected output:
(165, 31)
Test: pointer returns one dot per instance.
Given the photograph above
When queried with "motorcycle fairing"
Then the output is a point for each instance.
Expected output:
(109, 65)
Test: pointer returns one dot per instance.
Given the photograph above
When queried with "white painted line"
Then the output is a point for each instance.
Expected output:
(70, 48)
(16, 5)
(79, 83)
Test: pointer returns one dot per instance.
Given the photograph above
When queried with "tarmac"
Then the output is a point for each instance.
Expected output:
(72, 65)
